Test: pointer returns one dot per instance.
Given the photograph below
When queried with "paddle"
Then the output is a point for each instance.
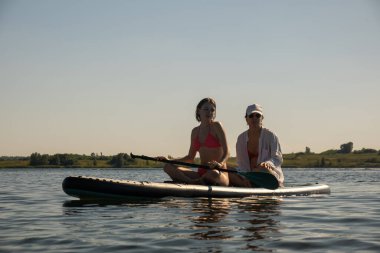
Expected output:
(260, 179)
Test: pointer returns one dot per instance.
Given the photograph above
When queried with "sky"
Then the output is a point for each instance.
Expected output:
(125, 76)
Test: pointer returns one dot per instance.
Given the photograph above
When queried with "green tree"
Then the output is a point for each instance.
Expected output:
(346, 148)
(54, 160)
(365, 151)
(118, 160)
(323, 162)
(37, 159)
(44, 159)
(127, 158)
(93, 156)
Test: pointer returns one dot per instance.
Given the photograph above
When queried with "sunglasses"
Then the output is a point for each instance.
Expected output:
(257, 115)
(208, 109)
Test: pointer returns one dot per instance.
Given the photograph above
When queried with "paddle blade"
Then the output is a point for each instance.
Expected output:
(261, 179)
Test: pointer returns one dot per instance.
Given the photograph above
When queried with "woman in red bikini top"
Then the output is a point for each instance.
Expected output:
(209, 140)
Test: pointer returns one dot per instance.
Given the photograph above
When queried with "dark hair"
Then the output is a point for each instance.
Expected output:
(200, 104)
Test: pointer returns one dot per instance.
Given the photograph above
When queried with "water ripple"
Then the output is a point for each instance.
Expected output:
(36, 216)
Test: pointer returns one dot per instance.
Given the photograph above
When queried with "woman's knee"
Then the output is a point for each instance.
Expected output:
(216, 178)
(225, 180)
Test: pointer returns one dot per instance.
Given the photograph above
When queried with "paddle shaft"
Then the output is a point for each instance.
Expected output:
(260, 179)
(143, 157)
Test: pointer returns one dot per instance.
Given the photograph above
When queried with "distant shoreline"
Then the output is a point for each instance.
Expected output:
(293, 160)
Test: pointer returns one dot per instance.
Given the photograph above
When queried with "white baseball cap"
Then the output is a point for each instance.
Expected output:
(255, 108)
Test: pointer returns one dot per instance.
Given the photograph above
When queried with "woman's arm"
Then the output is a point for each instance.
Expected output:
(220, 133)
(189, 158)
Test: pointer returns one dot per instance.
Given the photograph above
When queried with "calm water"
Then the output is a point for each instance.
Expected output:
(37, 216)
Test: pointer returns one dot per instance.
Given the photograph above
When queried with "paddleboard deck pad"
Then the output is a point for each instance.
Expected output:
(104, 188)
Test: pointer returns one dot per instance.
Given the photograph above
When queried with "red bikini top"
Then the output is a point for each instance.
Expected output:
(210, 142)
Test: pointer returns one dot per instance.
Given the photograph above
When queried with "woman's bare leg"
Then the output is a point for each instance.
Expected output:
(238, 181)
(180, 174)
(215, 177)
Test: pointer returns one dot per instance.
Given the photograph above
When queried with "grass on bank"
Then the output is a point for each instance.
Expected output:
(296, 160)
(14, 164)
(301, 160)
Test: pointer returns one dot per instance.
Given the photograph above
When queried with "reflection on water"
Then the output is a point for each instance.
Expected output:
(76, 207)
(248, 220)
(207, 218)
(260, 221)
(110, 202)
(210, 210)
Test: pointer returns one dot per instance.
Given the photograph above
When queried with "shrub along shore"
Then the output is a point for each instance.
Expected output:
(365, 158)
